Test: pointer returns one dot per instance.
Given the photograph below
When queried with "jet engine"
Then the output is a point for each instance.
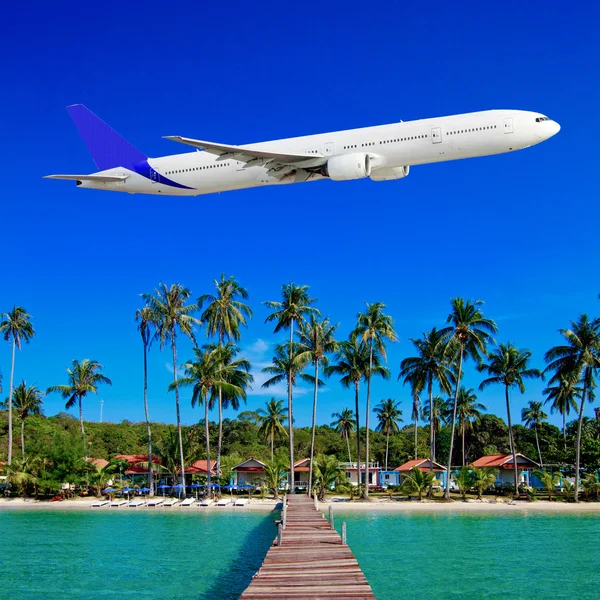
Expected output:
(348, 166)
(390, 173)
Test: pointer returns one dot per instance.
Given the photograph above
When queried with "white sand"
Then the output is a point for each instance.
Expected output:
(339, 504)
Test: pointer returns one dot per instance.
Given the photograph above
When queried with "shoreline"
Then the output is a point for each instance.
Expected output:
(339, 504)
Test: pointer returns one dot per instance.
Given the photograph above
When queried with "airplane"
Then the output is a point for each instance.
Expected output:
(381, 153)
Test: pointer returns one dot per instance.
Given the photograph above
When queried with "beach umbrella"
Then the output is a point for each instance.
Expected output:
(145, 490)
(163, 488)
(230, 487)
(179, 487)
(109, 490)
(127, 490)
(196, 486)
(248, 486)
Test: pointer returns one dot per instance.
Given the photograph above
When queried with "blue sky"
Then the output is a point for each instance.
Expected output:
(518, 231)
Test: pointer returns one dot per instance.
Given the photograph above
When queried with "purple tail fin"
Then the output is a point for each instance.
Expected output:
(107, 147)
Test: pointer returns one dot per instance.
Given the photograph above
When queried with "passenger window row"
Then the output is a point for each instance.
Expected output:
(473, 129)
(394, 141)
(215, 166)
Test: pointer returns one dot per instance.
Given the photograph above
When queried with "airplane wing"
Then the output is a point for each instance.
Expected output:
(97, 178)
(250, 155)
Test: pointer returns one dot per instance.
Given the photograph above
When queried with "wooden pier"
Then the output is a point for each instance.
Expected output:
(311, 562)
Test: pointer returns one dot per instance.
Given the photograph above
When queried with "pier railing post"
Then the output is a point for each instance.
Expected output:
(279, 533)
(316, 502)
(284, 513)
(331, 524)
(344, 543)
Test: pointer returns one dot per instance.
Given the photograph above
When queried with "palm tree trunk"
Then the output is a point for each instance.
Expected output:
(23, 438)
(537, 441)
(314, 425)
(348, 442)
(148, 430)
(207, 435)
(10, 399)
(291, 414)
(368, 408)
(579, 427)
(272, 443)
(564, 417)
(220, 438)
(82, 429)
(356, 398)
(460, 362)
(179, 435)
(416, 436)
(387, 449)
(463, 444)
(431, 428)
(512, 441)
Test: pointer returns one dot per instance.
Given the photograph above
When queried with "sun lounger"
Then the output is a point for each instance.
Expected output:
(99, 503)
(118, 503)
(171, 502)
(155, 502)
(223, 502)
(188, 502)
(206, 502)
(136, 503)
(241, 502)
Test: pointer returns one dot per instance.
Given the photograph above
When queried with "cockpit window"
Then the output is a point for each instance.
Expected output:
(540, 119)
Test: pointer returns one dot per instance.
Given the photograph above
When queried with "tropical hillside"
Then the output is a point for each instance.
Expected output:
(445, 421)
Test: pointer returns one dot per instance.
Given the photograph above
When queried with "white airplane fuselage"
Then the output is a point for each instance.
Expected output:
(391, 150)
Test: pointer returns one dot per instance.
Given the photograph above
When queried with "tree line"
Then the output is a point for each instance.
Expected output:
(220, 377)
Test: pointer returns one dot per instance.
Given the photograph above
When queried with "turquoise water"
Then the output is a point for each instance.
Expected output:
(477, 556)
(118, 555)
(167, 555)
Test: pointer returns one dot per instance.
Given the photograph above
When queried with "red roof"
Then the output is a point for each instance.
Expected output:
(299, 468)
(502, 461)
(423, 465)
(99, 462)
(198, 466)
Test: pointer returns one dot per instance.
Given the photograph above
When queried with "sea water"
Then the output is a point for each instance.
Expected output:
(147, 554)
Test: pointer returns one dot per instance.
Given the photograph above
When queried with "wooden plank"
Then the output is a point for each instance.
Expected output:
(310, 563)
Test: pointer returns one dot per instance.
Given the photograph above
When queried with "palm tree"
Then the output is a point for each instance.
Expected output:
(414, 415)
(274, 475)
(317, 341)
(464, 480)
(147, 328)
(206, 375)
(549, 481)
(469, 334)
(579, 362)
(26, 401)
(442, 413)
(294, 307)
(344, 423)
(287, 366)
(223, 315)
(352, 358)
(173, 315)
(374, 327)
(532, 416)
(467, 410)
(388, 417)
(84, 378)
(271, 422)
(564, 396)
(15, 327)
(327, 473)
(421, 372)
(418, 481)
(509, 366)
(483, 478)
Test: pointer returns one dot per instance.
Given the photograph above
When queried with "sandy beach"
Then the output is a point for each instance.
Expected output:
(339, 504)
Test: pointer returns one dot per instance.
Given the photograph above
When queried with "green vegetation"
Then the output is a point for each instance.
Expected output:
(54, 449)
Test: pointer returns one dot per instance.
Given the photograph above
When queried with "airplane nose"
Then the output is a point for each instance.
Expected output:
(554, 128)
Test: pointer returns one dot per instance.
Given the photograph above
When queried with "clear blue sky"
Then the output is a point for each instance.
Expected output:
(518, 231)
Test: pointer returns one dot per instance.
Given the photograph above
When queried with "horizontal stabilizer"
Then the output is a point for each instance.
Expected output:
(97, 178)
(244, 154)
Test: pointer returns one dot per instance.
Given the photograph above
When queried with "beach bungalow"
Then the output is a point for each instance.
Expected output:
(250, 471)
(424, 465)
(504, 464)
(301, 470)
(136, 470)
(351, 469)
